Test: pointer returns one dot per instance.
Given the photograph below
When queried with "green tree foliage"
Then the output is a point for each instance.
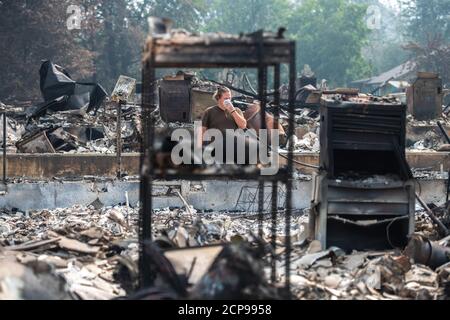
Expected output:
(384, 49)
(110, 31)
(427, 27)
(246, 15)
(330, 36)
(426, 19)
(187, 14)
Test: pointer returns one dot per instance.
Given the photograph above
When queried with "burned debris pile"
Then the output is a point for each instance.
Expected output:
(364, 237)
(89, 253)
(95, 251)
(76, 117)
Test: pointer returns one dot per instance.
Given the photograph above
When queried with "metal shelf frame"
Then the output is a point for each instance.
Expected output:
(258, 51)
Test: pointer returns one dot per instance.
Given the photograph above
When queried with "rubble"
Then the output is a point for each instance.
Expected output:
(310, 142)
(69, 133)
(31, 280)
(94, 253)
(306, 138)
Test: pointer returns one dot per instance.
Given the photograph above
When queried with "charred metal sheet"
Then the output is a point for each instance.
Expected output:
(56, 82)
(61, 140)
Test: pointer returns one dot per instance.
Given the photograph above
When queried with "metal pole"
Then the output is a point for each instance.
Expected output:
(276, 85)
(262, 89)
(145, 214)
(448, 187)
(119, 139)
(292, 76)
(4, 147)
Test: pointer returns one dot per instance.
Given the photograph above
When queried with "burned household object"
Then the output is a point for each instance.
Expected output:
(364, 196)
(175, 99)
(425, 96)
(182, 99)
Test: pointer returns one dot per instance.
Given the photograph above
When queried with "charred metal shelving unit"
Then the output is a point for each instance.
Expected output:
(258, 50)
(363, 139)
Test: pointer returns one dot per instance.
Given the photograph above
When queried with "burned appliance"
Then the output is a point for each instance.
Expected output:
(364, 195)
(175, 100)
(425, 96)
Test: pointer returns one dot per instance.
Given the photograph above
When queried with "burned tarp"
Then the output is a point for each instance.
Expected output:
(62, 93)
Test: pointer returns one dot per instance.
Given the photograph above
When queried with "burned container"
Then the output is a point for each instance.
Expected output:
(425, 96)
(364, 196)
(175, 100)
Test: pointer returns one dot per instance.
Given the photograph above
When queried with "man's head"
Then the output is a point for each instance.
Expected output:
(222, 94)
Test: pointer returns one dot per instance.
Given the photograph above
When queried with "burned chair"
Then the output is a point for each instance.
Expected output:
(363, 197)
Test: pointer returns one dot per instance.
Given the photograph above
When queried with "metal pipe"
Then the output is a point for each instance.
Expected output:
(443, 229)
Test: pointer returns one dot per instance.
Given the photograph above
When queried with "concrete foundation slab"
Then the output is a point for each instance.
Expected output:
(207, 195)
